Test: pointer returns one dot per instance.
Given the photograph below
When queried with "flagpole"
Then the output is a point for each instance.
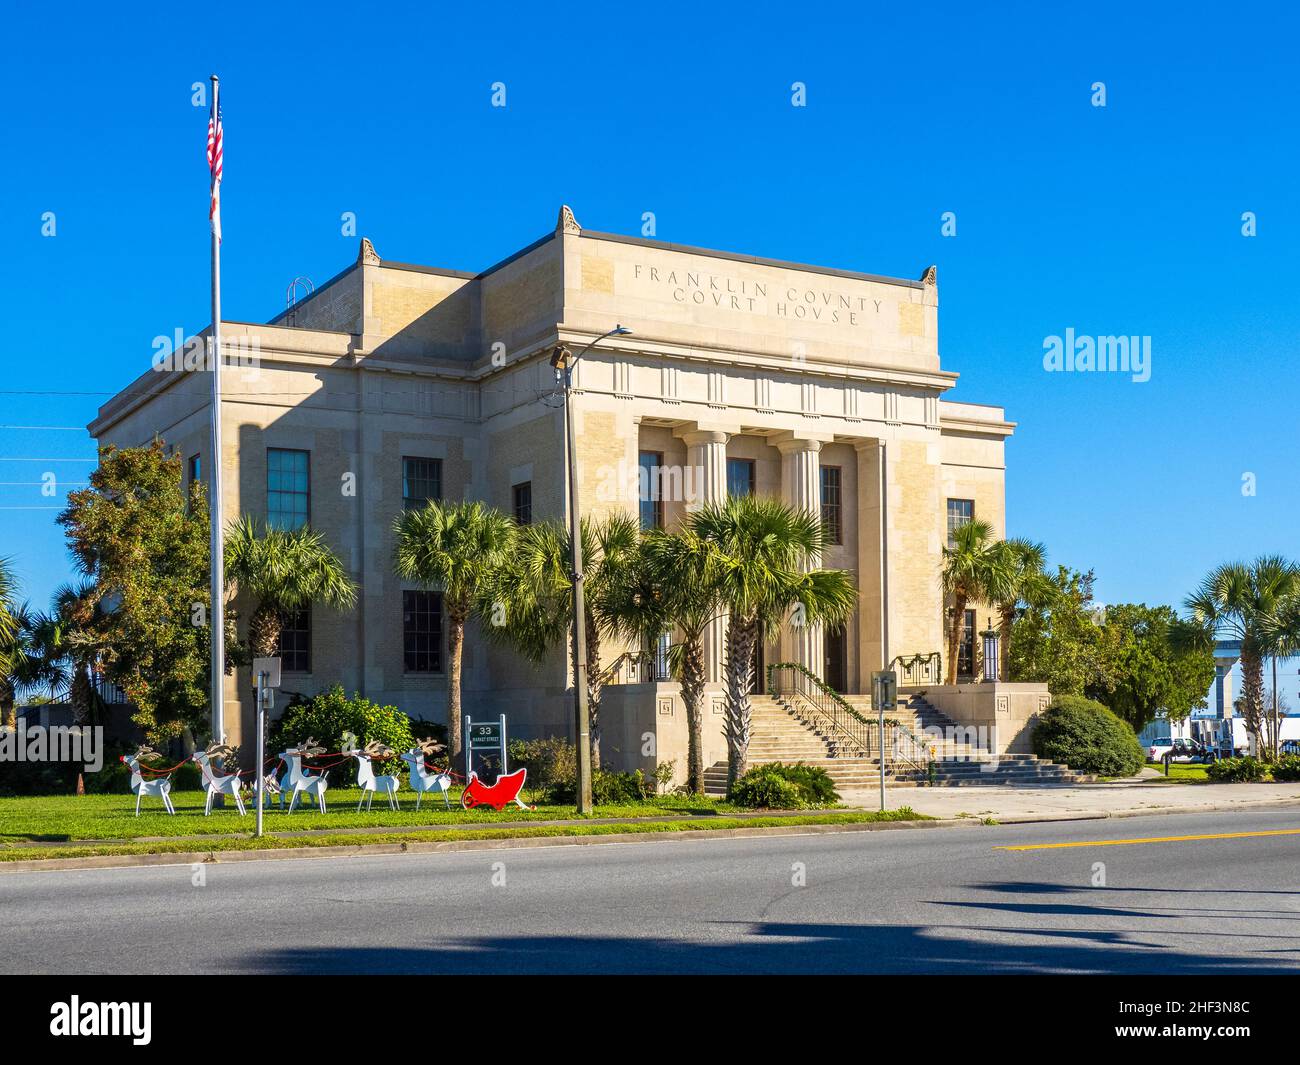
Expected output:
(216, 612)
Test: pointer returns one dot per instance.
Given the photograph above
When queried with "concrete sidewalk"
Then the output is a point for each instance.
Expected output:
(1113, 799)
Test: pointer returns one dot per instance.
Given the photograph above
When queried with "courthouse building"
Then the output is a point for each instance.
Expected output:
(392, 384)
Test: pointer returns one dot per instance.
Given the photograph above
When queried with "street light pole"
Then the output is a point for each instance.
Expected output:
(564, 362)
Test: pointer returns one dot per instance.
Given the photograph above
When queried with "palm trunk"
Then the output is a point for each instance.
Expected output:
(81, 694)
(595, 686)
(264, 631)
(954, 634)
(1004, 642)
(455, 657)
(693, 680)
(1252, 691)
(738, 712)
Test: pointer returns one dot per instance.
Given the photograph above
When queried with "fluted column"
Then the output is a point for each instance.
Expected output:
(706, 454)
(801, 487)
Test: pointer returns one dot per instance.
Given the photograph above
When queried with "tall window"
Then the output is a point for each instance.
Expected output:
(421, 481)
(194, 469)
(832, 517)
(295, 640)
(652, 505)
(960, 512)
(740, 477)
(422, 632)
(523, 502)
(966, 649)
(288, 488)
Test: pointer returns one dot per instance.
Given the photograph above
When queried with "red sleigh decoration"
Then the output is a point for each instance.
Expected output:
(499, 795)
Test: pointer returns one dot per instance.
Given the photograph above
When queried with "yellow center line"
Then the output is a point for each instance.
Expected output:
(1149, 839)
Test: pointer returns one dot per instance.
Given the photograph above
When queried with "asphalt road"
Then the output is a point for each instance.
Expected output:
(923, 901)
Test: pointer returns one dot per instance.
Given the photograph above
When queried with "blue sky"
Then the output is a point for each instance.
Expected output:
(1117, 220)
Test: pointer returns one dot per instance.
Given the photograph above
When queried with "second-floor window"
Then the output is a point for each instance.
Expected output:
(960, 512)
(288, 488)
(740, 477)
(421, 481)
(832, 516)
(652, 504)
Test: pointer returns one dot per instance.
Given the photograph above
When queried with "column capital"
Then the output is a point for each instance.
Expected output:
(791, 441)
(696, 434)
(867, 443)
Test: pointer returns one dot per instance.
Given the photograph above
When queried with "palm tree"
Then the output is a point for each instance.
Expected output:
(1018, 579)
(32, 660)
(678, 590)
(1245, 602)
(8, 602)
(762, 549)
(1280, 634)
(79, 612)
(975, 569)
(536, 590)
(282, 570)
(460, 549)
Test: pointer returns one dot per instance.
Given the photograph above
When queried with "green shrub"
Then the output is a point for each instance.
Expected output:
(800, 785)
(619, 789)
(1286, 770)
(1088, 738)
(328, 715)
(1236, 770)
(764, 788)
(552, 765)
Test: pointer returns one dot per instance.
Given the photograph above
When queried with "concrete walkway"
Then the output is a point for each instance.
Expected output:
(1119, 798)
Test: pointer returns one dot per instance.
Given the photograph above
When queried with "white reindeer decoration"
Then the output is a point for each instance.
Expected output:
(215, 783)
(422, 779)
(161, 786)
(366, 779)
(299, 779)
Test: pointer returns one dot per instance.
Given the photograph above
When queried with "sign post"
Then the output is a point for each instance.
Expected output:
(884, 693)
(266, 678)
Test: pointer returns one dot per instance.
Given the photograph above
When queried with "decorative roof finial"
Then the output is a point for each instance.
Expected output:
(931, 275)
(367, 255)
(566, 223)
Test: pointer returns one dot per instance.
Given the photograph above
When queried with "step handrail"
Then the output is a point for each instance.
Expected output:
(917, 669)
(899, 741)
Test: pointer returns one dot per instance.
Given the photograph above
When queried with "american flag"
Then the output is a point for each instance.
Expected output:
(216, 140)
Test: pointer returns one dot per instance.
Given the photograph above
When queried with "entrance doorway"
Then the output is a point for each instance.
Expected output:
(835, 666)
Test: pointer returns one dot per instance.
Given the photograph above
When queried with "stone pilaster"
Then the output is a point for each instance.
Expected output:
(706, 454)
(801, 488)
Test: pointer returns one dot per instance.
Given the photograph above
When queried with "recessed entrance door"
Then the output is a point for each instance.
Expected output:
(835, 667)
(758, 682)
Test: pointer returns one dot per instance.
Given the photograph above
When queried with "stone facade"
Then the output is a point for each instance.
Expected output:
(792, 368)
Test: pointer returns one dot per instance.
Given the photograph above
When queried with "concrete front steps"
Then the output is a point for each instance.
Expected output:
(777, 735)
(781, 734)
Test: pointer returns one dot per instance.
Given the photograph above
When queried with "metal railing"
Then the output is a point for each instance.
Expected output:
(637, 667)
(918, 669)
(899, 750)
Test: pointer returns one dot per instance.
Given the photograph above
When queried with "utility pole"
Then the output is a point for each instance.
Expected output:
(564, 361)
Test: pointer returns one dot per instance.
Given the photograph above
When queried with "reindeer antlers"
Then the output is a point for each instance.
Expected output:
(309, 748)
(430, 746)
(378, 749)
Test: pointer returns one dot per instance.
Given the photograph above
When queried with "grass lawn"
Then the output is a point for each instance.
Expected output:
(1182, 774)
(59, 818)
(76, 826)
